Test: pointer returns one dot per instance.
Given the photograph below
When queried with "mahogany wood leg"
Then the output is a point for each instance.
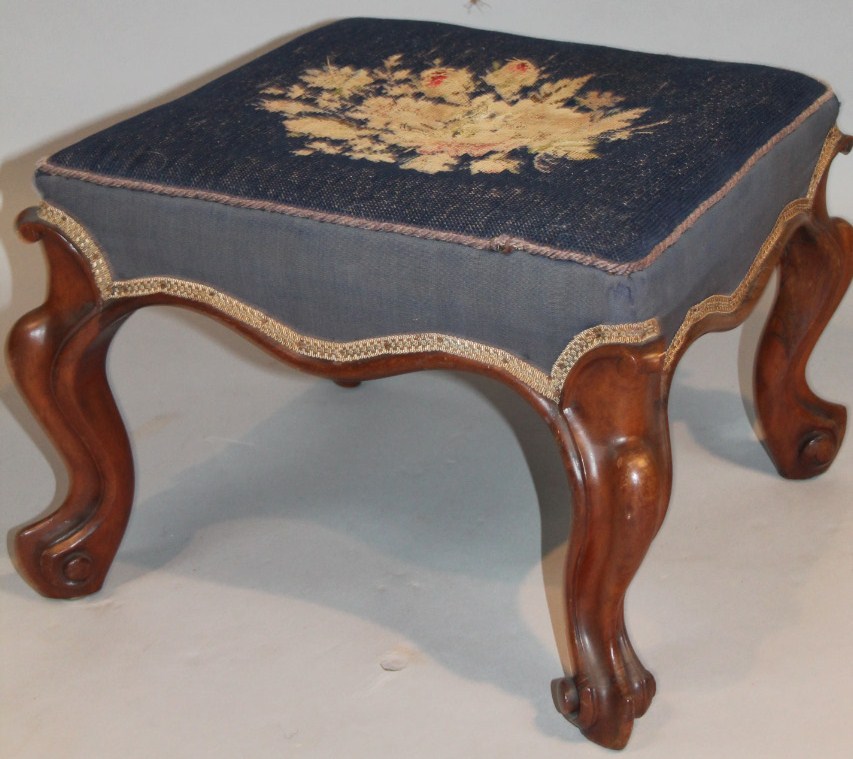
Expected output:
(614, 435)
(802, 432)
(57, 355)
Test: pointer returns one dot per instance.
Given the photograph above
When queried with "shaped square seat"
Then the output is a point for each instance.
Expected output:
(376, 197)
(374, 179)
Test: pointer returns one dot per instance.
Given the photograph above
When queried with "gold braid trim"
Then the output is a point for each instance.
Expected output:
(547, 385)
(728, 304)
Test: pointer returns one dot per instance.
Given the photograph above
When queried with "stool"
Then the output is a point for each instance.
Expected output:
(378, 197)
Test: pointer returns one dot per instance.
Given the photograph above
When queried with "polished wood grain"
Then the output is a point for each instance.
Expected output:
(614, 436)
(610, 425)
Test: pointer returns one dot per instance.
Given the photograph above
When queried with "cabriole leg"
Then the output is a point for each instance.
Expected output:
(802, 432)
(614, 435)
(57, 355)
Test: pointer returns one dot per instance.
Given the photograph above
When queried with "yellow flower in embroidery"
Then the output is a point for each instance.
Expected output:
(330, 129)
(343, 81)
(510, 78)
(444, 118)
(494, 165)
(430, 163)
(405, 119)
(599, 100)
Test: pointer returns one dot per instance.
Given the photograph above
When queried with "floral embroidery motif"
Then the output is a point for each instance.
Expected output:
(446, 118)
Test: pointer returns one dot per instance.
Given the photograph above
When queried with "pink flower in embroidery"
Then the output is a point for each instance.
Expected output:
(449, 84)
(509, 79)
(436, 79)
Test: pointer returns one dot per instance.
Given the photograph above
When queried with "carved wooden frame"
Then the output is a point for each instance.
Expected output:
(609, 420)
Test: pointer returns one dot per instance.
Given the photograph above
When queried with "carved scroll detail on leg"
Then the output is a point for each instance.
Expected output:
(802, 432)
(615, 439)
(57, 355)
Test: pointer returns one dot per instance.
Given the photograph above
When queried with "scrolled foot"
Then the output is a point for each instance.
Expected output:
(603, 713)
(67, 565)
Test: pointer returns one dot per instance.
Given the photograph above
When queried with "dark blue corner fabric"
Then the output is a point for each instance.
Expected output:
(658, 135)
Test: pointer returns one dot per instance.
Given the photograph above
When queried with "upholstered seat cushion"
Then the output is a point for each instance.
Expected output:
(376, 178)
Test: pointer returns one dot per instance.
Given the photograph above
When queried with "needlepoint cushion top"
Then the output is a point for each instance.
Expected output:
(494, 140)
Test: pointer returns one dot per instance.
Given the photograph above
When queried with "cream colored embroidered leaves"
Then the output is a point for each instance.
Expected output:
(446, 118)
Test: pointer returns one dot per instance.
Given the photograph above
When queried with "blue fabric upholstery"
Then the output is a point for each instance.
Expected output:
(673, 123)
(370, 177)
